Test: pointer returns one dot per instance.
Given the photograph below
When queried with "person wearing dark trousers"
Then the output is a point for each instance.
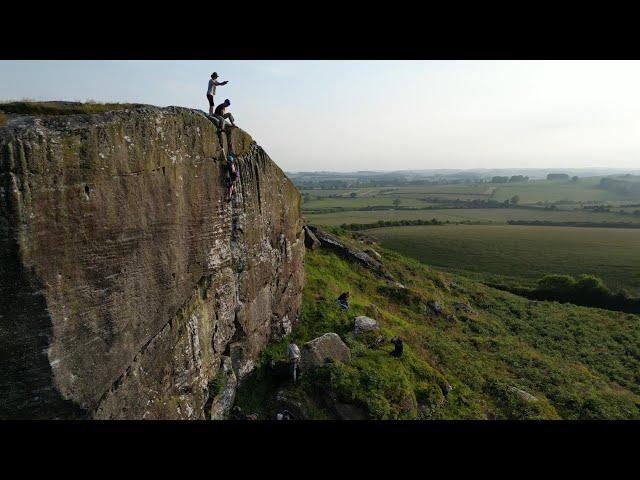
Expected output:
(221, 114)
(343, 301)
(211, 90)
(398, 347)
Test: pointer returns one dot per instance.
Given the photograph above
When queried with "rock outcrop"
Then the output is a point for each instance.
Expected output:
(310, 240)
(327, 347)
(349, 253)
(129, 287)
(364, 324)
(521, 394)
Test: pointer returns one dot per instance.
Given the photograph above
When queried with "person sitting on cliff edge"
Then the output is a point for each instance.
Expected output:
(211, 90)
(221, 114)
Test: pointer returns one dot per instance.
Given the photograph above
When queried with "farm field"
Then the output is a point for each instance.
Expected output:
(422, 190)
(528, 193)
(361, 202)
(476, 215)
(585, 190)
(341, 192)
(522, 253)
(313, 199)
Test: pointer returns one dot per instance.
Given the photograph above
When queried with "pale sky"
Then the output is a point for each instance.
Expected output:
(383, 115)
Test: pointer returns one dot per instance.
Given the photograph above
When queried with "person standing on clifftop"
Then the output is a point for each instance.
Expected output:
(211, 90)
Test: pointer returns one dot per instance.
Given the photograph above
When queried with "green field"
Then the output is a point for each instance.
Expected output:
(463, 192)
(475, 215)
(522, 253)
(493, 250)
(361, 202)
(408, 190)
(408, 196)
(529, 193)
(584, 190)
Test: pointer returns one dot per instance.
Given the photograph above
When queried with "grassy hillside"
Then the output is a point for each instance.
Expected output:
(493, 350)
(523, 253)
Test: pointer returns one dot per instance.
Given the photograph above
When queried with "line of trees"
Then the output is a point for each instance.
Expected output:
(557, 176)
(623, 187)
(511, 179)
(586, 290)
(390, 223)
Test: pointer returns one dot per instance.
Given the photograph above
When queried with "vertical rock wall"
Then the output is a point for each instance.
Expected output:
(129, 287)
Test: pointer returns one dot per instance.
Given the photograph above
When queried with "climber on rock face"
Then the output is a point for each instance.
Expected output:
(211, 90)
(221, 114)
(233, 176)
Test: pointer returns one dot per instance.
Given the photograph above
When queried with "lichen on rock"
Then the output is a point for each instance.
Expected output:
(127, 282)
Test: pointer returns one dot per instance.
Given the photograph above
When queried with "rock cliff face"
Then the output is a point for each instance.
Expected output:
(129, 288)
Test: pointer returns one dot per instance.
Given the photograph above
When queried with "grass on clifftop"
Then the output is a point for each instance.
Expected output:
(62, 108)
(578, 362)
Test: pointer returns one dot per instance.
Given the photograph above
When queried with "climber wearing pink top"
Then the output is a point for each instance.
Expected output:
(233, 176)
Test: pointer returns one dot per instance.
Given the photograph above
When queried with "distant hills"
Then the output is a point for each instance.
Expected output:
(532, 173)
